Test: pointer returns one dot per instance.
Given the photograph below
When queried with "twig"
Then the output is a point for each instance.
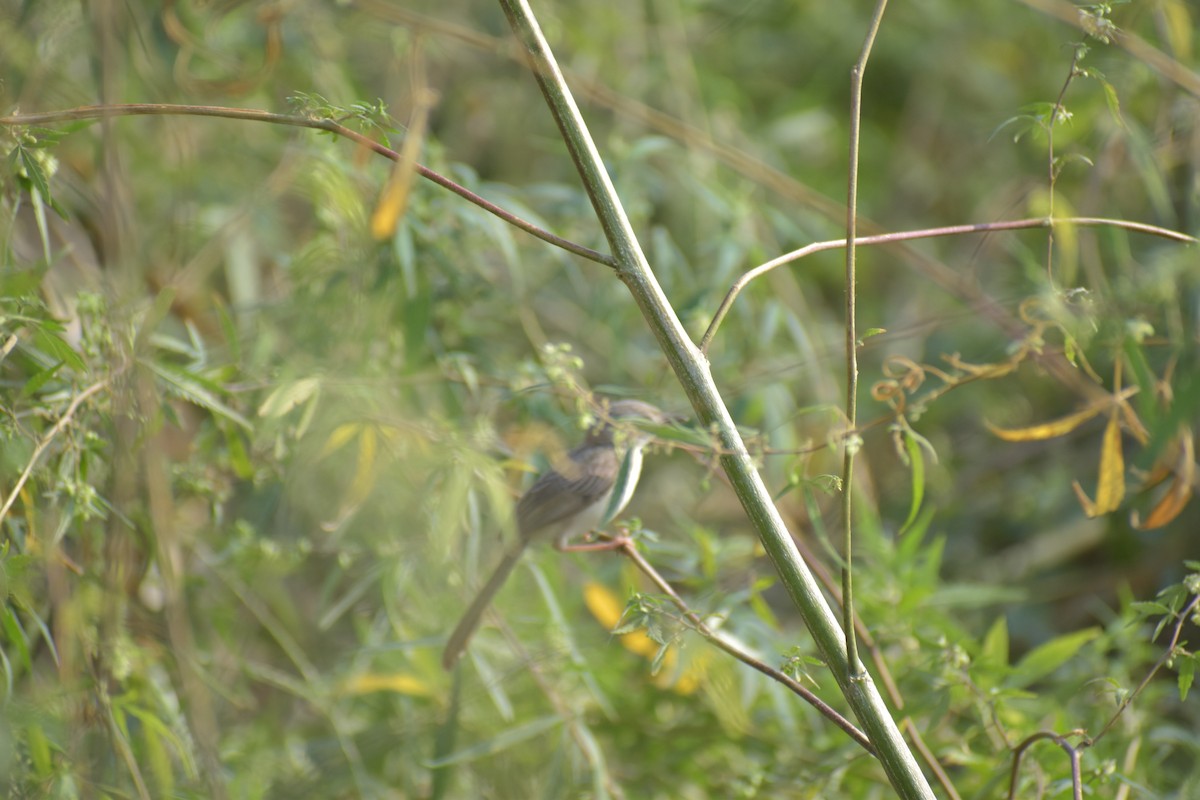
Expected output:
(1175, 634)
(45, 442)
(1072, 752)
(1051, 172)
(927, 233)
(850, 448)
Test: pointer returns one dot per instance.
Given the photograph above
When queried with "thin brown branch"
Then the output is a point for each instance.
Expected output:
(927, 233)
(321, 124)
(1184, 615)
(1072, 752)
(627, 547)
(45, 442)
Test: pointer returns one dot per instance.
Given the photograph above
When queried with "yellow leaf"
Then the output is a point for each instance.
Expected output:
(341, 434)
(1180, 491)
(984, 371)
(1047, 430)
(603, 604)
(397, 682)
(1110, 490)
(1110, 486)
(364, 470)
(1178, 28)
(1066, 241)
(607, 609)
(1089, 507)
(393, 200)
(688, 682)
(1064, 425)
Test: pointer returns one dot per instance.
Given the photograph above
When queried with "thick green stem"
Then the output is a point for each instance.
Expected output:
(692, 369)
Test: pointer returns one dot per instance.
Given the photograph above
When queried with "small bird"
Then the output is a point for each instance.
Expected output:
(592, 485)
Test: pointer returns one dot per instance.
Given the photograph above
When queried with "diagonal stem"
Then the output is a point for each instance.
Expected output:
(692, 370)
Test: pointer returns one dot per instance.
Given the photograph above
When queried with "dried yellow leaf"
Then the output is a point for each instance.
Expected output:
(399, 683)
(393, 200)
(603, 604)
(1178, 494)
(1047, 430)
(1064, 425)
(338, 438)
(1111, 488)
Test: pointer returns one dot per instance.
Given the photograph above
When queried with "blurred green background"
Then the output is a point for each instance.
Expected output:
(231, 572)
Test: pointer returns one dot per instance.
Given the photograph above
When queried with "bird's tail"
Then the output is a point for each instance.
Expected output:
(457, 643)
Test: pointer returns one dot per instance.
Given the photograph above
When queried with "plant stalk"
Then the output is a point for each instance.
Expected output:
(692, 369)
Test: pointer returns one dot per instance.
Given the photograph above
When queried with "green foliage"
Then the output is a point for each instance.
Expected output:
(252, 460)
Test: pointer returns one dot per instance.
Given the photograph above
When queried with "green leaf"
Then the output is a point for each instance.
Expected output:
(239, 459)
(34, 384)
(15, 634)
(498, 744)
(995, 643)
(1149, 609)
(288, 396)
(36, 173)
(1044, 659)
(195, 389)
(1187, 672)
(973, 595)
(657, 663)
(39, 750)
(54, 346)
(916, 461)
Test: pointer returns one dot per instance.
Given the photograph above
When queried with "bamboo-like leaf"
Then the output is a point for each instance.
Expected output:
(53, 345)
(994, 652)
(1044, 659)
(34, 384)
(509, 738)
(916, 465)
(195, 389)
(16, 634)
(154, 727)
(38, 747)
(154, 754)
(288, 396)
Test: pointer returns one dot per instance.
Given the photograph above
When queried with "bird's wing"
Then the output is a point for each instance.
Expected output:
(557, 495)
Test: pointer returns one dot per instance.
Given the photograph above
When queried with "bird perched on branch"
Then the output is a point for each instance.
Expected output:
(587, 490)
